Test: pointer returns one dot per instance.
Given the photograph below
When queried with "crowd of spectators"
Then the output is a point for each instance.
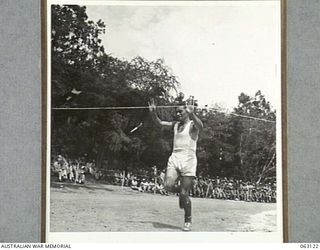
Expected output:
(65, 170)
(233, 189)
(79, 171)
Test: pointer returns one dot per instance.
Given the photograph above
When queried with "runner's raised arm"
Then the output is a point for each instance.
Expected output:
(155, 117)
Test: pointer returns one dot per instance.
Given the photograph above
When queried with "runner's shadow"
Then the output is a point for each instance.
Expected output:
(78, 186)
(161, 225)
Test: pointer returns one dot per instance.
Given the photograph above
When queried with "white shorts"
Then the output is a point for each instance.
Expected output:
(184, 163)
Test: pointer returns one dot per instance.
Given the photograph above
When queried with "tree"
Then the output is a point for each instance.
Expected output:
(255, 139)
(74, 39)
(84, 75)
(215, 145)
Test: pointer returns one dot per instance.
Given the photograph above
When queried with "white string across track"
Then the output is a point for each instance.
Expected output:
(147, 107)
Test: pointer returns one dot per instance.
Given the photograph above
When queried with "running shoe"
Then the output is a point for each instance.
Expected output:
(187, 226)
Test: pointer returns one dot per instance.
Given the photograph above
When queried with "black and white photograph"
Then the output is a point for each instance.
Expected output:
(164, 117)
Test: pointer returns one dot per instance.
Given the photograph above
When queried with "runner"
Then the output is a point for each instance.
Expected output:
(182, 163)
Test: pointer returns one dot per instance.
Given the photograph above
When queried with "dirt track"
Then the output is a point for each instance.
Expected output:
(106, 208)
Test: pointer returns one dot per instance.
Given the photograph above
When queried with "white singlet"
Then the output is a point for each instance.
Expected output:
(182, 141)
(183, 158)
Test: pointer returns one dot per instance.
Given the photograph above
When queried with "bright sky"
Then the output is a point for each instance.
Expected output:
(216, 51)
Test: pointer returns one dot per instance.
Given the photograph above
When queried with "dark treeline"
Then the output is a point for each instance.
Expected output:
(83, 74)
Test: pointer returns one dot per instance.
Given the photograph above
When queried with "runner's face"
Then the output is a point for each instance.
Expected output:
(181, 113)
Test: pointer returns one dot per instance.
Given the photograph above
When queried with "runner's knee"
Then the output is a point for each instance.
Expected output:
(169, 184)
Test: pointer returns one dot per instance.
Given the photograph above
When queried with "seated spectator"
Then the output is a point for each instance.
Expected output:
(134, 184)
(144, 185)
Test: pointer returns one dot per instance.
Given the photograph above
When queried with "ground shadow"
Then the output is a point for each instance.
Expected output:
(159, 225)
(77, 186)
(162, 225)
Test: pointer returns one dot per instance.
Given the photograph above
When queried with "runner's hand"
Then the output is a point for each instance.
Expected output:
(190, 109)
(190, 106)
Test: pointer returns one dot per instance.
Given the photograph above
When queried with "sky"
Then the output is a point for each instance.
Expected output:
(216, 50)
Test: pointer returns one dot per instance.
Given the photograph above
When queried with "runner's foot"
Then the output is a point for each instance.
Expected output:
(187, 226)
